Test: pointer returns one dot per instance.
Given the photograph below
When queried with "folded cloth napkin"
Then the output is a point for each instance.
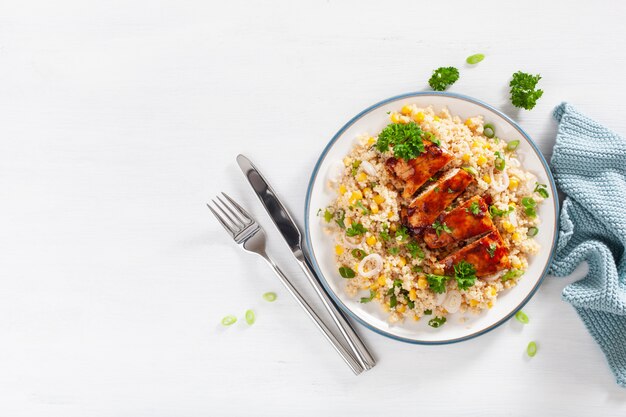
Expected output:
(589, 166)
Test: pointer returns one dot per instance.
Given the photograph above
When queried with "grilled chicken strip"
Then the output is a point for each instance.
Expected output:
(468, 220)
(488, 255)
(415, 172)
(425, 208)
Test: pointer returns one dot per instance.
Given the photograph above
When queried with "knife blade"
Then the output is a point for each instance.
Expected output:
(292, 236)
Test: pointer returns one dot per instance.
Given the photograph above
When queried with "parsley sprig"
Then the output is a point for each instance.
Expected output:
(441, 227)
(406, 139)
(355, 230)
(465, 275)
(443, 77)
(523, 92)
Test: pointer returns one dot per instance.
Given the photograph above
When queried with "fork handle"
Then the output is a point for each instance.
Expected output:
(364, 357)
(356, 367)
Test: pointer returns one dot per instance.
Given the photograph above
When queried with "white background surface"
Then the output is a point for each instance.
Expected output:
(119, 119)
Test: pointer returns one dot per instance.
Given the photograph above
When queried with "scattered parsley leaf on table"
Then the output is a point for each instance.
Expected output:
(523, 92)
(443, 77)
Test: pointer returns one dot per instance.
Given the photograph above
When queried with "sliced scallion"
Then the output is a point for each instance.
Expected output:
(532, 231)
(228, 320)
(512, 145)
(489, 130)
(521, 317)
(531, 350)
(475, 59)
(269, 296)
(470, 170)
(500, 164)
(250, 317)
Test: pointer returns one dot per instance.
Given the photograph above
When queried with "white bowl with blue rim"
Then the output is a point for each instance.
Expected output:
(459, 326)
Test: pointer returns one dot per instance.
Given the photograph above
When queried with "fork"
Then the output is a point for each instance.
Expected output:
(247, 232)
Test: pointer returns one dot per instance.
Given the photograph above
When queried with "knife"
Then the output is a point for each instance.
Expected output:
(291, 234)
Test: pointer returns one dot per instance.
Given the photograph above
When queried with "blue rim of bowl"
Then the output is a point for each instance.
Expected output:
(308, 202)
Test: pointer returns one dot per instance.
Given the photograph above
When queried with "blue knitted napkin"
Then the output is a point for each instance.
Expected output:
(589, 166)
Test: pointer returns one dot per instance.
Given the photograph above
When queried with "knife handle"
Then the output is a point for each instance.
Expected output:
(348, 357)
(347, 331)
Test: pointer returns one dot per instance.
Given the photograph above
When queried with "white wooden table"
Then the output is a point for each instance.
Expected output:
(119, 119)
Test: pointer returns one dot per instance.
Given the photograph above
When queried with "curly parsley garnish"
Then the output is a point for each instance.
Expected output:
(355, 230)
(495, 211)
(474, 208)
(443, 77)
(437, 283)
(347, 272)
(491, 250)
(465, 275)
(406, 139)
(523, 92)
(441, 227)
(415, 250)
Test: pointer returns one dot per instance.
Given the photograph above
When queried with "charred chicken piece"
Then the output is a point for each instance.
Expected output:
(488, 255)
(415, 172)
(425, 208)
(468, 220)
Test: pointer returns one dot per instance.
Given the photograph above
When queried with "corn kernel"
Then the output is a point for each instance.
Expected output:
(486, 145)
(393, 227)
(367, 190)
(386, 307)
(342, 189)
(382, 280)
(438, 271)
(356, 267)
(512, 204)
(395, 118)
(416, 318)
(374, 286)
(490, 304)
(508, 226)
(377, 295)
(513, 183)
(402, 261)
(493, 291)
(436, 119)
(422, 283)
(346, 161)
(379, 199)
(412, 294)
(356, 195)
(361, 177)
(371, 141)
(389, 215)
(374, 208)
(516, 264)
(487, 179)
(338, 250)
(406, 110)
(401, 308)
(371, 240)
(466, 157)
(476, 144)
(468, 123)
(419, 117)
(516, 236)
(481, 160)
(347, 221)
(473, 303)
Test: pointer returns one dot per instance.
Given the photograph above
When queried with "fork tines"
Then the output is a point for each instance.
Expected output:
(233, 217)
